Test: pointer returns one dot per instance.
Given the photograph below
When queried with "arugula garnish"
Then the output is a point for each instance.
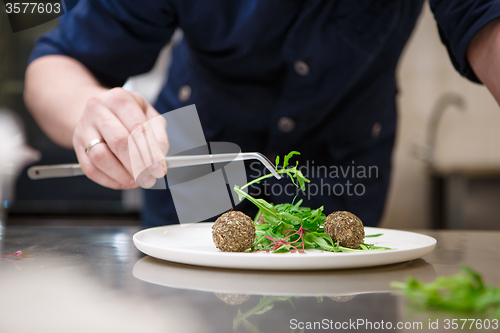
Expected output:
(288, 226)
(293, 172)
(463, 292)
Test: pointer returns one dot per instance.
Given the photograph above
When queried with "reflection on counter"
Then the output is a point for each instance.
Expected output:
(47, 295)
(255, 299)
(331, 283)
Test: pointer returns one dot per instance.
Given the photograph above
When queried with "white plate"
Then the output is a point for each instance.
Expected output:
(192, 244)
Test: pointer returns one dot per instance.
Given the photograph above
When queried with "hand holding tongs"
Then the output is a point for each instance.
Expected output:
(70, 170)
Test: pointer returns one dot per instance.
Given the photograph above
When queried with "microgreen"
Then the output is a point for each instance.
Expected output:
(289, 226)
(266, 303)
(278, 243)
(15, 257)
(296, 176)
(463, 292)
(18, 254)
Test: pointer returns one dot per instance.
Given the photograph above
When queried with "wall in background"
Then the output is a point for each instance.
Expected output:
(470, 138)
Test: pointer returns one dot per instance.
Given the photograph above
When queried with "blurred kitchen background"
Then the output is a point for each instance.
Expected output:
(446, 162)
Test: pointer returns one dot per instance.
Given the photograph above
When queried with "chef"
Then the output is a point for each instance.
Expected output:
(271, 76)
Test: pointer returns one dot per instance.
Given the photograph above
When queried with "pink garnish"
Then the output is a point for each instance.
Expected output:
(277, 243)
(17, 254)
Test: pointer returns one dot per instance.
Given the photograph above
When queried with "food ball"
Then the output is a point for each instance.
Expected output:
(343, 298)
(233, 232)
(233, 299)
(345, 228)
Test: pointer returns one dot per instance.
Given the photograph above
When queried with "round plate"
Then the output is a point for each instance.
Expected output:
(192, 244)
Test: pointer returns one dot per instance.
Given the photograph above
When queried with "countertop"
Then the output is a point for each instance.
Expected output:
(93, 279)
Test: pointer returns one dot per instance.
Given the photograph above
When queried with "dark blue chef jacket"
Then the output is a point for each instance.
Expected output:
(317, 76)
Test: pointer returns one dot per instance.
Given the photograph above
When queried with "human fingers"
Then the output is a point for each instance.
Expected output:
(130, 111)
(99, 122)
(124, 151)
(154, 133)
(141, 173)
(158, 125)
(117, 138)
(89, 168)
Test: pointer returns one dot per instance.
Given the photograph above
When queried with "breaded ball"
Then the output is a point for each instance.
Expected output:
(233, 299)
(343, 298)
(345, 228)
(233, 231)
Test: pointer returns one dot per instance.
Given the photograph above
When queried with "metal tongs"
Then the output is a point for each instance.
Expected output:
(70, 170)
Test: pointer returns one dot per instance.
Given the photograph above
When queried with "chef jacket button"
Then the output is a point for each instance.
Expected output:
(286, 124)
(301, 67)
(377, 127)
(184, 93)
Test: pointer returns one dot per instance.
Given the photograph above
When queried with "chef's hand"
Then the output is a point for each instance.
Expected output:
(135, 140)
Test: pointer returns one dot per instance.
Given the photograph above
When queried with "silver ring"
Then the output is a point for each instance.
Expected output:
(92, 144)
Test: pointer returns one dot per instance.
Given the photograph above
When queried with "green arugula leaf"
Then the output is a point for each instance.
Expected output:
(266, 303)
(463, 292)
(375, 235)
(289, 225)
(287, 158)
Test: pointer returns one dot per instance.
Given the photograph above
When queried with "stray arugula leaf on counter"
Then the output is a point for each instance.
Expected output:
(463, 292)
(290, 227)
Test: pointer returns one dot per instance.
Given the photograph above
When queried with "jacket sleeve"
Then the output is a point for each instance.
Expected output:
(458, 21)
(114, 39)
